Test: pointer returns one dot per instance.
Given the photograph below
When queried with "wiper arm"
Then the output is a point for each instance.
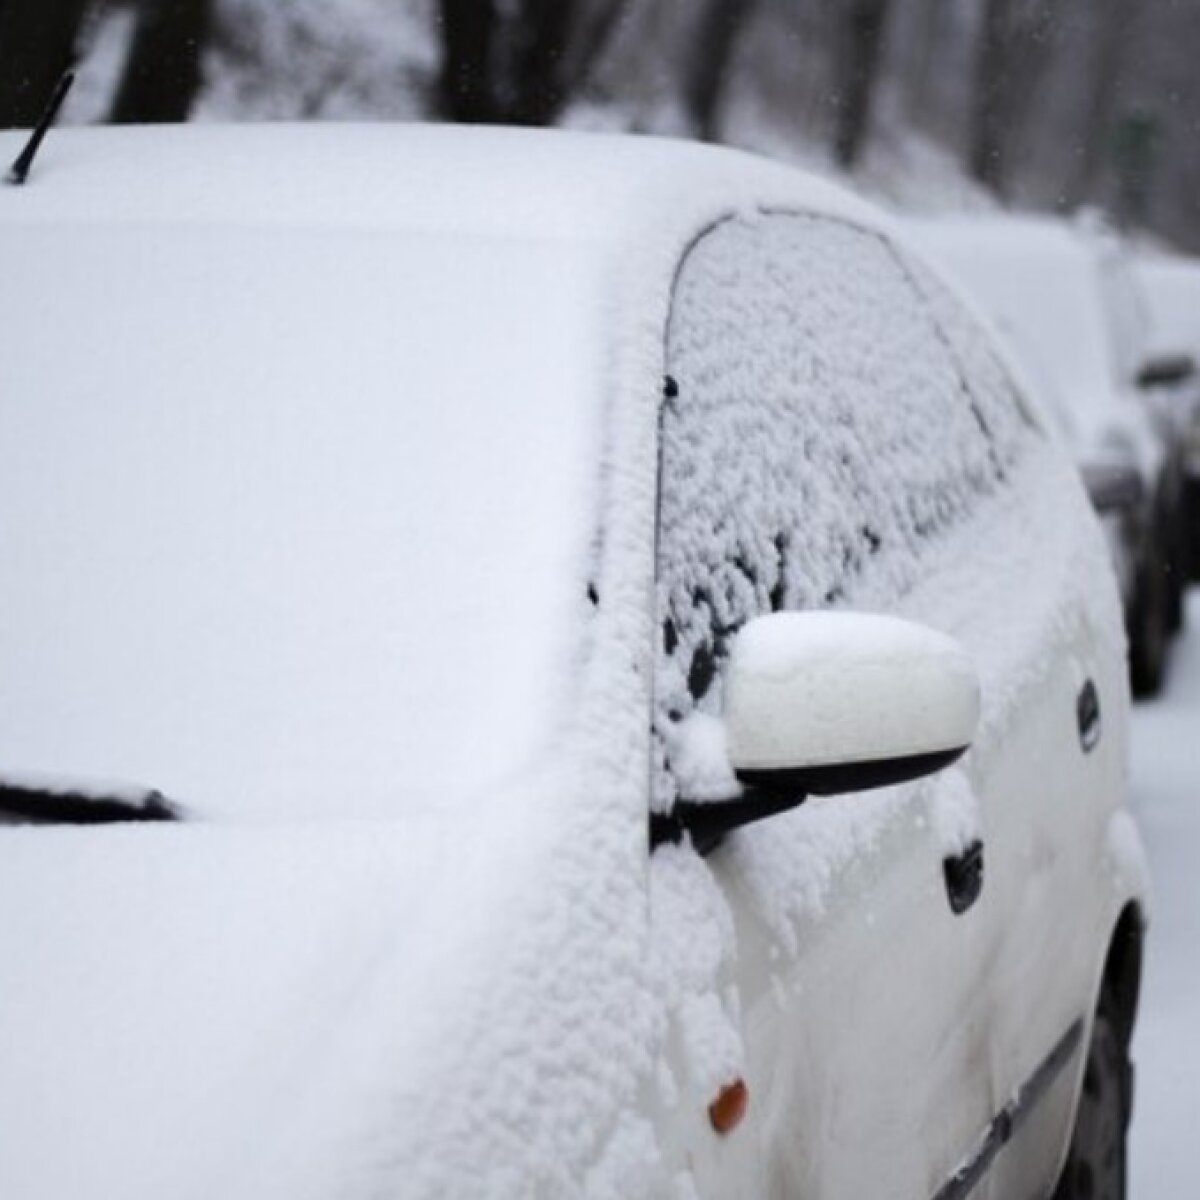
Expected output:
(72, 804)
(19, 171)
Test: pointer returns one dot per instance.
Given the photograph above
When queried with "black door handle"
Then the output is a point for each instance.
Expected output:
(964, 877)
(1087, 713)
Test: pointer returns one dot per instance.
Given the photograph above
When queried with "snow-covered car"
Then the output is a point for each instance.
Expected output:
(1066, 297)
(1171, 286)
(467, 550)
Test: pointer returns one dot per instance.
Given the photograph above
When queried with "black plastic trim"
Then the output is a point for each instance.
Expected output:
(768, 793)
(836, 778)
(43, 806)
(1087, 713)
(964, 877)
(709, 822)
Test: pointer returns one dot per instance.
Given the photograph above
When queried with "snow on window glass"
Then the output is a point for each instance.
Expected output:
(988, 388)
(817, 438)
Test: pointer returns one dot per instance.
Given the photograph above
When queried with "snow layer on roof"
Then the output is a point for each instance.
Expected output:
(548, 184)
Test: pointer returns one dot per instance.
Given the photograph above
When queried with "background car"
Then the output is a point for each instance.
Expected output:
(509, 555)
(1066, 298)
(1171, 286)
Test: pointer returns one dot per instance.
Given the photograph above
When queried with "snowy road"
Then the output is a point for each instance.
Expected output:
(1166, 795)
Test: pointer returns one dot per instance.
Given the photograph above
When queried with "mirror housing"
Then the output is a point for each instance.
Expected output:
(818, 703)
(832, 702)
(1166, 370)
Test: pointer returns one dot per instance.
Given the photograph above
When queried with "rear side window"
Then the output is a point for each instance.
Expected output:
(822, 428)
(987, 385)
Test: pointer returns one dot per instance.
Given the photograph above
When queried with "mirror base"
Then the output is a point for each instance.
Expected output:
(771, 792)
(835, 778)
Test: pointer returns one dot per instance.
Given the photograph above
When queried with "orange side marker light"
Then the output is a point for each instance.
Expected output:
(728, 1109)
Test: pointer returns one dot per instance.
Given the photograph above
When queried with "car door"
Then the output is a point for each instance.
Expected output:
(1047, 765)
(819, 448)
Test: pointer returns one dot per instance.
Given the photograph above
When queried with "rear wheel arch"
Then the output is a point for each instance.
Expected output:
(1122, 977)
(1095, 1162)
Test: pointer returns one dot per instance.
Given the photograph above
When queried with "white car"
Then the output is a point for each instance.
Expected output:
(471, 547)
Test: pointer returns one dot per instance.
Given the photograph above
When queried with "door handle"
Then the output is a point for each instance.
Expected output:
(964, 877)
(1087, 713)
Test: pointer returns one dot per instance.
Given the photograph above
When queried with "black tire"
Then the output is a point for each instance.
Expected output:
(1191, 527)
(1149, 630)
(1096, 1161)
(1177, 609)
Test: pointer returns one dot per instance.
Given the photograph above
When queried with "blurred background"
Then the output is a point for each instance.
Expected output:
(1050, 104)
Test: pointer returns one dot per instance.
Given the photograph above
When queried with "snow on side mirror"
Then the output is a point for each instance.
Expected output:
(818, 703)
(824, 702)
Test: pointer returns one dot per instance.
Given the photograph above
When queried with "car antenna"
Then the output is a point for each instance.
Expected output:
(19, 171)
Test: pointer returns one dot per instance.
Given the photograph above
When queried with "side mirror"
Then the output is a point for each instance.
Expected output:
(1113, 486)
(1166, 370)
(818, 703)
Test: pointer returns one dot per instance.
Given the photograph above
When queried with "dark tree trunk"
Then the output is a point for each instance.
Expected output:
(519, 66)
(987, 133)
(538, 88)
(37, 44)
(163, 74)
(466, 85)
(1014, 49)
(717, 29)
(595, 31)
(928, 45)
(861, 39)
(1112, 39)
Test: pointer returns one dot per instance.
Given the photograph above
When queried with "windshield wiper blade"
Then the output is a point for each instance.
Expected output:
(48, 804)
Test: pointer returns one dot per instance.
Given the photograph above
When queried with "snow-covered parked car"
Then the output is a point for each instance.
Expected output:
(1171, 285)
(1067, 297)
(476, 545)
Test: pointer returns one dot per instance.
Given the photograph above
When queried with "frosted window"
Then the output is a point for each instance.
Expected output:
(817, 438)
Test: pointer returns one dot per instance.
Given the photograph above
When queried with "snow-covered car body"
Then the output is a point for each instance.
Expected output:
(1067, 298)
(393, 499)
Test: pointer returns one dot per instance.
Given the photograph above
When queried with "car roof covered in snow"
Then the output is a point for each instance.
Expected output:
(552, 184)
